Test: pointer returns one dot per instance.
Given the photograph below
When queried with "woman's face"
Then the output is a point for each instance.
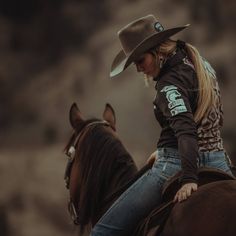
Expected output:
(148, 64)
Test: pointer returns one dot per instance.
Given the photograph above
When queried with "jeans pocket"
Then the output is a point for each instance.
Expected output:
(168, 167)
(173, 167)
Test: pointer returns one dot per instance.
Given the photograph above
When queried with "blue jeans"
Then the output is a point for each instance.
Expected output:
(145, 194)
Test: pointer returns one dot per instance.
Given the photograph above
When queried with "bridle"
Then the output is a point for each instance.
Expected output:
(70, 152)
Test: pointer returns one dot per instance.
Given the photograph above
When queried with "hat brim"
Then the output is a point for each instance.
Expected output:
(122, 61)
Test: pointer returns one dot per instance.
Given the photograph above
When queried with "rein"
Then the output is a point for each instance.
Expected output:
(71, 157)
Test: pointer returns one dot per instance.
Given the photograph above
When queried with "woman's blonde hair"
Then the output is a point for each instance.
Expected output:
(205, 75)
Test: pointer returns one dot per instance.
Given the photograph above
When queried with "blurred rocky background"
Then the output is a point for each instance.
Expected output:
(55, 52)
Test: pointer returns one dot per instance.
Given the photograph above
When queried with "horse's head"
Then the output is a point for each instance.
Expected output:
(98, 163)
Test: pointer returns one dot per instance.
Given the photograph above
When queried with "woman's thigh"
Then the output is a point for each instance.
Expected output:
(138, 200)
(133, 205)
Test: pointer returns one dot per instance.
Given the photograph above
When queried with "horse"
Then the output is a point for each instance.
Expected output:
(100, 168)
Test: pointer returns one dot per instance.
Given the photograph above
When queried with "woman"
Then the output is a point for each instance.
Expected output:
(188, 109)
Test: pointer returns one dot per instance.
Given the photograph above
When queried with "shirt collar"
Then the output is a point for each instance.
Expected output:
(172, 61)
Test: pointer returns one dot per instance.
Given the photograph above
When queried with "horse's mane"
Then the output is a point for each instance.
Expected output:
(104, 165)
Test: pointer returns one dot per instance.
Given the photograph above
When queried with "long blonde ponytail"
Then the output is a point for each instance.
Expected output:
(206, 83)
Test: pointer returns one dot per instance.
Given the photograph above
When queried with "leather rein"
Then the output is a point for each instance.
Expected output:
(71, 157)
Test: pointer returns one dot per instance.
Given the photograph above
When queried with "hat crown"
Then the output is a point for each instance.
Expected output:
(137, 31)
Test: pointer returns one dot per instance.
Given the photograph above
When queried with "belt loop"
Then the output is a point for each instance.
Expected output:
(198, 161)
(203, 158)
(228, 160)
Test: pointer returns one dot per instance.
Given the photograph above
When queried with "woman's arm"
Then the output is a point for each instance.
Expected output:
(176, 99)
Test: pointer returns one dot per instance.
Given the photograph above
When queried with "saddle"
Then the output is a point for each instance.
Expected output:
(154, 223)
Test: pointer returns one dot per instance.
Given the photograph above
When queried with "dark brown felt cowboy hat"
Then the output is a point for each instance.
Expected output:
(138, 37)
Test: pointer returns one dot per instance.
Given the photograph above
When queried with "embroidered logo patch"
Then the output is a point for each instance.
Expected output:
(158, 26)
(176, 103)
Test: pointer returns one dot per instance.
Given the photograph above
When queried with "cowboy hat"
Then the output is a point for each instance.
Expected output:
(138, 37)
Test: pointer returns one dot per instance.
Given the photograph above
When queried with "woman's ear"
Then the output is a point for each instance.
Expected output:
(75, 116)
(109, 115)
(161, 59)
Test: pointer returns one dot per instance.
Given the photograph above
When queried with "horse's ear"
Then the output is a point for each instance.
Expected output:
(109, 115)
(75, 116)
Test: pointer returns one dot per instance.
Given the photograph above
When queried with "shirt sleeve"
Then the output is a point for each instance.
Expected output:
(174, 102)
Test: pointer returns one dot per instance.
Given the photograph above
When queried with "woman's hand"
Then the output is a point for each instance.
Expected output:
(185, 191)
(152, 158)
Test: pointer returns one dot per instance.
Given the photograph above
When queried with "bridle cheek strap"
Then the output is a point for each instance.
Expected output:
(71, 152)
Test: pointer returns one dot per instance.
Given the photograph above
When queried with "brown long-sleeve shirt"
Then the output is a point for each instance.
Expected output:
(174, 107)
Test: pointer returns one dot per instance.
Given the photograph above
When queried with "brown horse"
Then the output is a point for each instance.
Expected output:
(100, 169)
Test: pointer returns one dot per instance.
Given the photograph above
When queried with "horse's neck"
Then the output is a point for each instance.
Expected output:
(123, 185)
(104, 168)
(117, 184)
